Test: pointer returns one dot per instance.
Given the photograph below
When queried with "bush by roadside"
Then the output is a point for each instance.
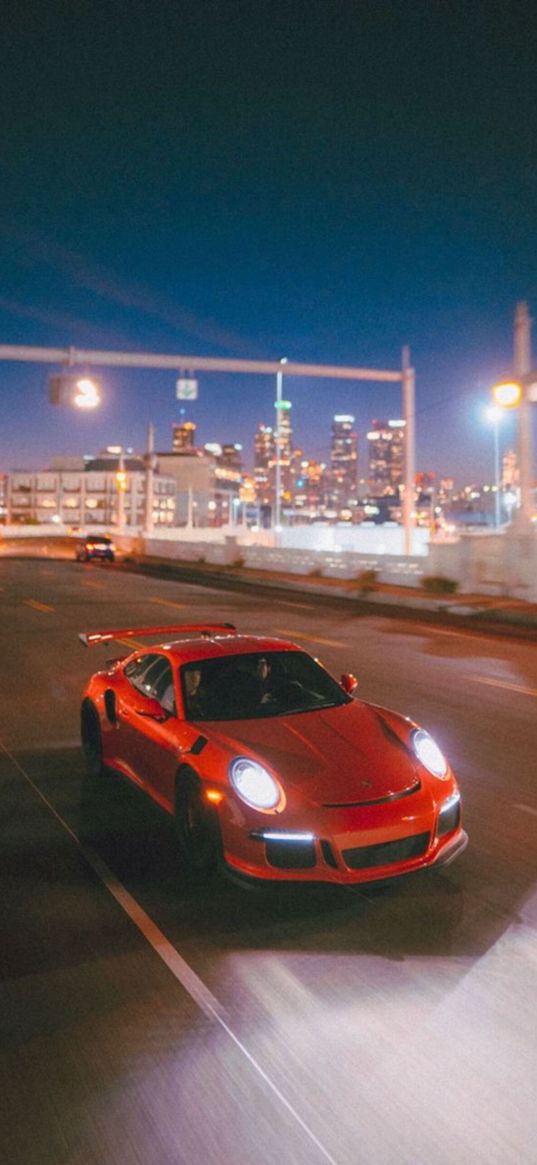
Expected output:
(436, 584)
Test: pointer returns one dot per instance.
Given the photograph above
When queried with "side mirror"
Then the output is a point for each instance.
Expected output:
(152, 709)
(349, 683)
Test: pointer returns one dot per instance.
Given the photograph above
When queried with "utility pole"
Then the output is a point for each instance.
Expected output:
(277, 435)
(522, 366)
(409, 414)
(149, 470)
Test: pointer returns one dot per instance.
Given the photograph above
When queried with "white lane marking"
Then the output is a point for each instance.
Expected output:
(178, 966)
(505, 684)
(464, 632)
(309, 638)
(527, 809)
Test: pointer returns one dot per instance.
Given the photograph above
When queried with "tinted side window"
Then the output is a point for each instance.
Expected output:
(136, 670)
(163, 688)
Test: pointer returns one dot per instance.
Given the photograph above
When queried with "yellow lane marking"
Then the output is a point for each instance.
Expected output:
(309, 638)
(87, 582)
(289, 603)
(169, 603)
(505, 684)
(37, 606)
(132, 643)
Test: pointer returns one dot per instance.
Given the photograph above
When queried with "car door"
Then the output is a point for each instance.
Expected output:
(156, 744)
(131, 701)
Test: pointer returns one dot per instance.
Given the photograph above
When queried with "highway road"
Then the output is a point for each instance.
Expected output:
(148, 1018)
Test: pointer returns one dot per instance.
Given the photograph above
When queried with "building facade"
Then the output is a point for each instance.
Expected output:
(87, 498)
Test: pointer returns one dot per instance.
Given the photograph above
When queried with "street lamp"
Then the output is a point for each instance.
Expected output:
(494, 414)
(86, 394)
(507, 394)
(82, 392)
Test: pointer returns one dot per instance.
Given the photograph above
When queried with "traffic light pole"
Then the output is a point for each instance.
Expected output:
(409, 506)
(278, 449)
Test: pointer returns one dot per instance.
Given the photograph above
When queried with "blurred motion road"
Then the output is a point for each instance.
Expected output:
(150, 1019)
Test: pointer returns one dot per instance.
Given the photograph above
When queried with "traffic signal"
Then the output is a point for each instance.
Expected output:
(75, 391)
(121, 479)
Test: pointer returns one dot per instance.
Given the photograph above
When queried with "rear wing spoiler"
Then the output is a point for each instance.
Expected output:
(93, 638)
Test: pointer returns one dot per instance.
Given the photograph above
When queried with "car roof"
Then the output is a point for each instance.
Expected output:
(188, 650)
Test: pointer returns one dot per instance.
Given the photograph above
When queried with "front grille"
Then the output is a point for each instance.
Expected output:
(448, 818)
(291, 855)
(386, 854)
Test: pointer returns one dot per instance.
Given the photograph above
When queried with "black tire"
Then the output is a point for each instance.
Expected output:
(92, 744)
(196, 825)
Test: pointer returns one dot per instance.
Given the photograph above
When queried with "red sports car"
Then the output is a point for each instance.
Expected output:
(269, 766)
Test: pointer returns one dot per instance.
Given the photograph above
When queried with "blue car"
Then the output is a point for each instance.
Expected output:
(95, 546)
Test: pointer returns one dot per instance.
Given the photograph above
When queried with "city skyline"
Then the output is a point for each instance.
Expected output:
(321, 455)
(236, 180)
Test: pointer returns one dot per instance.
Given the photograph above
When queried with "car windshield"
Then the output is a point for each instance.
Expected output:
(257, 686)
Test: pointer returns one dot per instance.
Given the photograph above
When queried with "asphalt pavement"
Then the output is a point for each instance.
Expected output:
(498, 614)
(150, 1019)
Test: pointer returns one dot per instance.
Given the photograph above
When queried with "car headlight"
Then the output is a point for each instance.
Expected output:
(429, 753)
(253, 784)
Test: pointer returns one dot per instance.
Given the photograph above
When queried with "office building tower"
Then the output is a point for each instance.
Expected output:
(343, 461)
(386, 455)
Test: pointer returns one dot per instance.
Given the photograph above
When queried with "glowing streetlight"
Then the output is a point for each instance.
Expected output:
(507, 394)
(86, 394)
(82, 392)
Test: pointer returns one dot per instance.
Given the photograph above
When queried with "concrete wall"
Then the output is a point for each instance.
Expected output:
(375, 540)
(503, 563)
(490, 564)
(232, 550)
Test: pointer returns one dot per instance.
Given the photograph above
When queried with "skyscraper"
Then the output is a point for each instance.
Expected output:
(386, 457)
(264, 446)
(343, 461)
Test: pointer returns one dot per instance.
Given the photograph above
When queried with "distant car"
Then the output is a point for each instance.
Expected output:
(95, 546)
(270, 767)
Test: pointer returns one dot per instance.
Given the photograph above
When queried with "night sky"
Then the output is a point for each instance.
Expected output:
(325, 180)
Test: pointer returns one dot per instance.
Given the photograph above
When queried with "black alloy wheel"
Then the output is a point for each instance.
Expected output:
(196, 825)
(92, 745)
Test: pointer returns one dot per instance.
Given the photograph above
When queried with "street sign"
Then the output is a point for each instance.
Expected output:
(186, 389)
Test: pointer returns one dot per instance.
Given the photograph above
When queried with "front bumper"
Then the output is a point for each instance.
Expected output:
(345, 847)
